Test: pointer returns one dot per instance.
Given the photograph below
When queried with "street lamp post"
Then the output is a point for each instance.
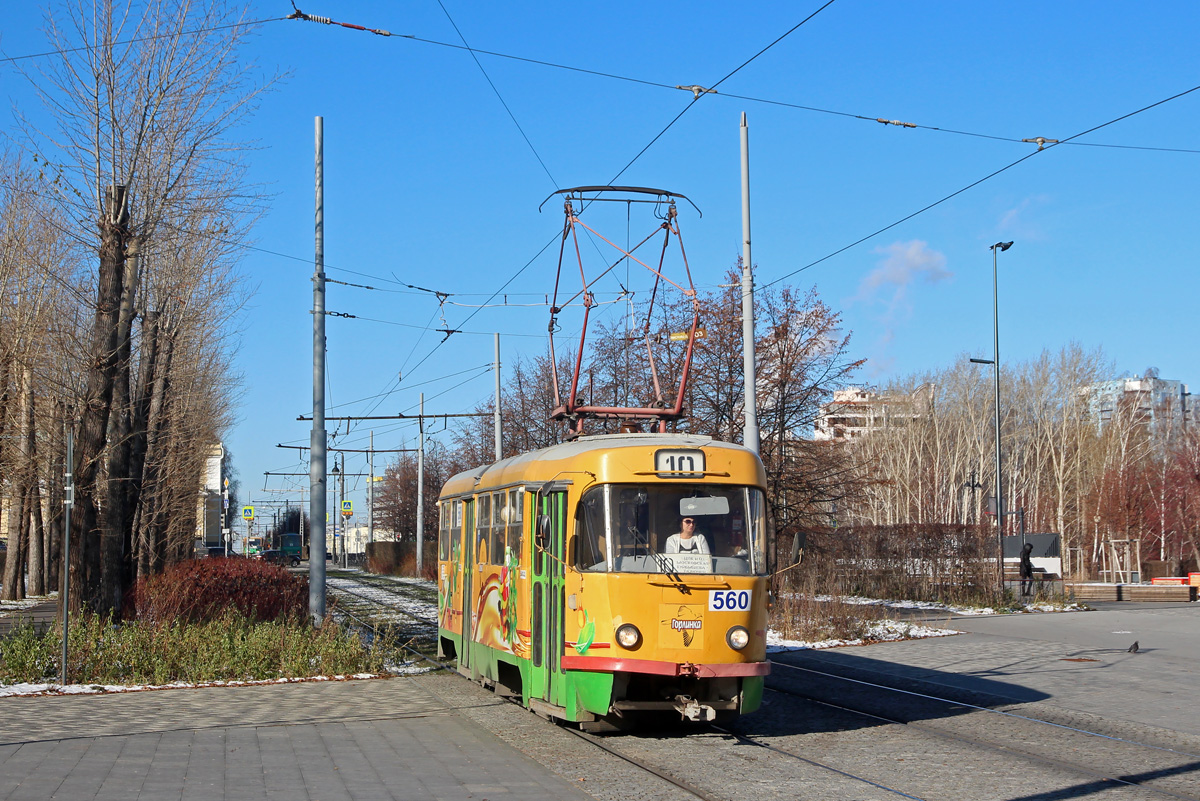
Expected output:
(996, 372)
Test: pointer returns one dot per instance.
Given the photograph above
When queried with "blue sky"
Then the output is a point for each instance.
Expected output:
(429, 182)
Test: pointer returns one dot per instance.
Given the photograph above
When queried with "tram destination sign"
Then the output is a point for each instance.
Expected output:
(679, 463)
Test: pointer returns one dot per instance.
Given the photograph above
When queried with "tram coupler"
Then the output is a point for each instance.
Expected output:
(691, 709)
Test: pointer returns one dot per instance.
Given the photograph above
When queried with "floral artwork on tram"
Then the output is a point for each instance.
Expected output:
(495, 616)
(448, 591)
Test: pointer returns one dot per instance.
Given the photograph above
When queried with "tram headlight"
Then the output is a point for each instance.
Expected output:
(628, 636)
(738, 638)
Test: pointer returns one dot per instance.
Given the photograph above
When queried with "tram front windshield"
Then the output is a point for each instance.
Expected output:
(676, 528)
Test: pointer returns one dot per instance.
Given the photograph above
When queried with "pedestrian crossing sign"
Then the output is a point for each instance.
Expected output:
(247, 513)
(347, 508)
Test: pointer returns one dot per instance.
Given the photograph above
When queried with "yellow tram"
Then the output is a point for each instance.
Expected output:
(566, 577)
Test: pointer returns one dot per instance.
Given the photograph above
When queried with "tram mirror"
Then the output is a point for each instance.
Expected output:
(798, 547)
(543, 530)
(703, 506)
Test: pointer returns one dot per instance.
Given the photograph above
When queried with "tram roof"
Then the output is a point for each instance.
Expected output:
(526, 464)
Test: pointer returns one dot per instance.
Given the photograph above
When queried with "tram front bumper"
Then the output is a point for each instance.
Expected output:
(608, 664)
(687, 707)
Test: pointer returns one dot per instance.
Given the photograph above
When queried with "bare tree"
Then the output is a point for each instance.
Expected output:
(143, 98)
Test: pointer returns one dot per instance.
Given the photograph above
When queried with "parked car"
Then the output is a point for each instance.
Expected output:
(277, 557)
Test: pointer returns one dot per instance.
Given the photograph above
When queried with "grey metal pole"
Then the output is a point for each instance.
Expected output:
(337, 512)
(750, 434)
(497, 412)
(371, 491)
(316, 465)
(68, 507)
(421, 489)
(344, 519)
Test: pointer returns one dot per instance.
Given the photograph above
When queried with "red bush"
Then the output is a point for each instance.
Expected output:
(203, 589)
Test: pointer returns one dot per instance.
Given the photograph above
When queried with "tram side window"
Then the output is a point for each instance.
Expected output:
(456, 529)
(757, 535)
(443, 531)
(496, 535)
(515, 520)
(541, 506)
(483, 528)
(589, 543)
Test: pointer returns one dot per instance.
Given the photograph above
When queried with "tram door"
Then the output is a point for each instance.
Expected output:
(548, 601)
(468, 582)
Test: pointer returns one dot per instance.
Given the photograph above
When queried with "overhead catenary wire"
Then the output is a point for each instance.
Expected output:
(636, 157)
(62, 51)
(699, 95)
(875, 118)
(987, 177)
(697, 90)
(499, 96)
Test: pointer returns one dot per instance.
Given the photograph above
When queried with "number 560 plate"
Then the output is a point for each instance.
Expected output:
(729, 600)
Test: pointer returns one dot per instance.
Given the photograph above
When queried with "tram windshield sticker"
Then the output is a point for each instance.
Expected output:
(685, 563)
(679, 463)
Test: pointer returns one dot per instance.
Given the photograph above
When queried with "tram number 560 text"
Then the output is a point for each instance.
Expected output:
(729, 600)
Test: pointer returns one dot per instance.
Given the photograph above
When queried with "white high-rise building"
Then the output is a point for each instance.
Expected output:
(857, 411)
(1148, 399)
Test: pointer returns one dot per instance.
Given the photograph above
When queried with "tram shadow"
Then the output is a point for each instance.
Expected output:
(829, 691)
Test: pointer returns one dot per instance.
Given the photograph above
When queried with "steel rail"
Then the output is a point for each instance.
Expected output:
(985, 709)
(667, 777)
(405, 612)
(661, 773)
(751, 741)
(988, 744)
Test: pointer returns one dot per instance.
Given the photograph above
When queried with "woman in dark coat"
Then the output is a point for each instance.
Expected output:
(1026, 569)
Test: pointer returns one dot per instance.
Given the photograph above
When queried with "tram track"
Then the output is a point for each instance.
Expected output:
(1008, 739)
(1160, 770)
(592, 740)
(669, 774)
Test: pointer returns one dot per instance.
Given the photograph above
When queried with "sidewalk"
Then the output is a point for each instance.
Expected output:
(325, 741)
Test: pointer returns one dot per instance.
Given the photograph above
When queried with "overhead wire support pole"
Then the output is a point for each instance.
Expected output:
(421, 489)
(371, 492)
(316, 467)
(750, 435)
(68, 505)
(497, 409)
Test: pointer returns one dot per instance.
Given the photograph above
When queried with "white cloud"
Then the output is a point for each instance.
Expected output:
(904, 264)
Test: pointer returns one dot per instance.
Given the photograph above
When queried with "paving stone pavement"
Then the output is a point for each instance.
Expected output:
(322, 741)
(1071, 660)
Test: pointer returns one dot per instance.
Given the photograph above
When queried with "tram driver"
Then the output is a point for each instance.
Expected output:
(687, 540)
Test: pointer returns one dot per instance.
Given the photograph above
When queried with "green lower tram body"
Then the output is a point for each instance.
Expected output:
(585, 696)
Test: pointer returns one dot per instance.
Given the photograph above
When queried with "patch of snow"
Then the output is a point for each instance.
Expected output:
(24, 689)
(26, 603)
(880, 631)
(937, 606)
(407, 607)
